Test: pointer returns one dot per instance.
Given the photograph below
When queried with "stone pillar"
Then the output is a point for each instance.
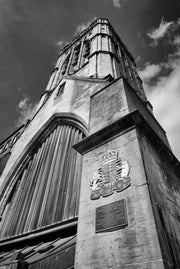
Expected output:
(116, 226)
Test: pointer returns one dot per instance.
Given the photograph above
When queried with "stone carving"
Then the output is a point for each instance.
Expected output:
(113, 175)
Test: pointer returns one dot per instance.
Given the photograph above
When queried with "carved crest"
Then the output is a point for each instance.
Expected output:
(113, 175)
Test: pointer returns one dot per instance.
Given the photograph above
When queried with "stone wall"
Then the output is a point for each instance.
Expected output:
(134, 246)
(108, 105)
(75, 99)
(164, 187)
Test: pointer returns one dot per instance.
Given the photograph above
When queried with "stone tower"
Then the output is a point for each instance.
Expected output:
(91, 181)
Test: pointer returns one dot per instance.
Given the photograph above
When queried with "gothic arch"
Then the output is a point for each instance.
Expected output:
(53, 168)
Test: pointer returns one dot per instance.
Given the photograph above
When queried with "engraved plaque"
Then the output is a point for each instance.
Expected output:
(111, 217)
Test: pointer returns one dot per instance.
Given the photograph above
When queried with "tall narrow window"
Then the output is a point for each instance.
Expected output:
(65, 63)
(75, 58)
(76, 54)
(61, 89)
(86, 52)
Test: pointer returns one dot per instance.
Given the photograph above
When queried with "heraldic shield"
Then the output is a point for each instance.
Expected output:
(113, 175)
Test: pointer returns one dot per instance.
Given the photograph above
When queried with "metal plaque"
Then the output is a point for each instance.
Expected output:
(111, 217)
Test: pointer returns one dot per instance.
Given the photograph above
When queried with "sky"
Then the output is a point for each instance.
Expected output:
(32, 32)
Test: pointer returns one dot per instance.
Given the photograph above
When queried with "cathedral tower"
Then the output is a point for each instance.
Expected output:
(91, 181)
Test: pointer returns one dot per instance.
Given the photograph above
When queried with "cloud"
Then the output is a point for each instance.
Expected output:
(164, 29)
(150, 71)
(26, 110)
(83, 26)
(165, 95)
(117, 3)
(60, 43)
(161, 31)
(176, 41)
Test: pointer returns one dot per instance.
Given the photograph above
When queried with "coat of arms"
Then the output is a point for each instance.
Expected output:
(113, 175)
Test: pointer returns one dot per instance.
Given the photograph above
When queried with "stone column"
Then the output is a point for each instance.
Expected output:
(116, 226)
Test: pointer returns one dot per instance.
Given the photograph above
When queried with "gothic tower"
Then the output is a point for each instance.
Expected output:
(90, 181)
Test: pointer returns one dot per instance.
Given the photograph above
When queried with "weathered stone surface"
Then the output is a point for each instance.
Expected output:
(122, 248)
(164, 186)
(75, 99)
(107, 106)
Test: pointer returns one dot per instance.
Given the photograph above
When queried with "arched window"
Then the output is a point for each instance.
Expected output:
(86, 51)
(48, 184)
(75, 58)
(65, 63)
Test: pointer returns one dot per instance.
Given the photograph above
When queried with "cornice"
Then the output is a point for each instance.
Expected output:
(133, 120)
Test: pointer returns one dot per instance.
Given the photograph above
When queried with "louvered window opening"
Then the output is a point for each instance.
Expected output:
(65, 63)
(47, 189)
(75, 59)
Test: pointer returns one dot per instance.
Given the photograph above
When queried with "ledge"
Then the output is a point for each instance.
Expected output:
(86, 79)
(40, 234)
(133, 120)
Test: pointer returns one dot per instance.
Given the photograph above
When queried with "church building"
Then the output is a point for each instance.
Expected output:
(90, 181)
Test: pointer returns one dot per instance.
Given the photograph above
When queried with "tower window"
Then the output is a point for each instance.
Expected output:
(103, 28)
(65, 64)
(86, 48)
(116, 48)
(61, 89)
(90, 33)
(75, 58)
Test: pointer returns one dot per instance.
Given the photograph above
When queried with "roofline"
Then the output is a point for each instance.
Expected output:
(19, 128)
